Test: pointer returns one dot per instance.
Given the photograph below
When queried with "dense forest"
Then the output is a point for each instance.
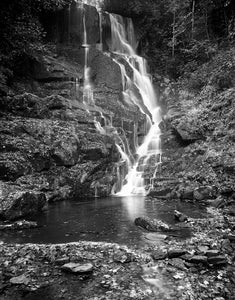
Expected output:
(176, 36)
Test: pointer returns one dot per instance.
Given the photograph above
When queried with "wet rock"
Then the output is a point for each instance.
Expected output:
(230, 212)
(188, 130)
(198, 259)
(106, 71)
(211, 253)
(122, 257)
(218, 202)
(227, 246)
(19, 225)
(174, 253)
(62, 261)
(26, 104)
(231, 238)
(22, 279)
(159, 254)
(180, 216)
(160, 192)
(217, 260)
(152, 224)
(177, 263)
(77, 268)
(17, 203)
(206, 192)
(203, 249)
(186, 193)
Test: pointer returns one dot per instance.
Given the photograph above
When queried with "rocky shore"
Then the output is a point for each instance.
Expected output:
(201, 267)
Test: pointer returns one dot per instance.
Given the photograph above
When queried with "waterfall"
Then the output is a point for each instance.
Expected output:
(87, 87)
(137, 89)
(123, 45)
(100, 46)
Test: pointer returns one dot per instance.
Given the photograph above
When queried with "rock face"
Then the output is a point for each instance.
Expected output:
(17, 203)
(50, 148)
(197, 143)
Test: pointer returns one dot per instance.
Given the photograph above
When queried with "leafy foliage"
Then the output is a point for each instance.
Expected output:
(20, 29)
(219, 73)
(187, 34)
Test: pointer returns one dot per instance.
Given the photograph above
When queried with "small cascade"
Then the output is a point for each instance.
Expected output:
(100, 45)
(76, 87)
(87, 87)
(98, 127)
(137, 88)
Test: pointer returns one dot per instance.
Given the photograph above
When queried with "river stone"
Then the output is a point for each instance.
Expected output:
(151, 224)
(210, 253)
(197, 259)
(22, 279)
(159, 254)
(62, 261)
(231, 238)
(174, 253)
(177, 263)
(77, 268)
(204, 192)
(217, 260)
(180, 216)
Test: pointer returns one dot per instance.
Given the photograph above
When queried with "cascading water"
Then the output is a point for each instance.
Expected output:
(137, 88)
(87, 87)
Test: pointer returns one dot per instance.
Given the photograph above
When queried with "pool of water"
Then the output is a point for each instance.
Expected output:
(109, 219)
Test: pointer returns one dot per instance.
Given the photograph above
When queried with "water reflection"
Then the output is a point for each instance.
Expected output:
(134, 206)
(110, 220)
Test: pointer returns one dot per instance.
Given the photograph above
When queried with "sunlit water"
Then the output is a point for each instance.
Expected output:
(137, 89)
(110, 219)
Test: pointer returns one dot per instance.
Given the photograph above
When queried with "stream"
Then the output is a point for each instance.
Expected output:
(104, 219)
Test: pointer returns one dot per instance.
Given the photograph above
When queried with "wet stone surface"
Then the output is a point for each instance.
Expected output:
(201, 267)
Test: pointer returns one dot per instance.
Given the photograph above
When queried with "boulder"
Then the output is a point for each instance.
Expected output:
(219, 202)
(180, 216)
(217, 260)
(159, 254)
(174, 253)
(152, 224)
(198, 259)
(177, 263)
(22, 279)
(187, 193)
(204, 192)
(17, 203)
(77, 268)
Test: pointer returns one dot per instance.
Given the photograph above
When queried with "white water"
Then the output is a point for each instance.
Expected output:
(123, 44)
(87, 87)
(137, 89)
